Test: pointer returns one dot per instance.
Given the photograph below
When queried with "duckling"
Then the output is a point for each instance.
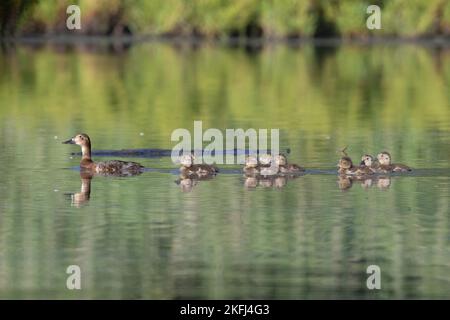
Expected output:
(265, 160)
(111, 167)
(251, 167)
(384, 158)
(188, 167)
(346, 166)
(368, 161)
(284, 167)
(267, 169)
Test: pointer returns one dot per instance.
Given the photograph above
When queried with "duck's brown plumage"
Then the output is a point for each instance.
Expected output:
(188, 168)
(287, 168)
(111, 167)
(346, 167)
(384, 158)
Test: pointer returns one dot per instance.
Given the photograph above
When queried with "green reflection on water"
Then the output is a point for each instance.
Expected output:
(142, 237)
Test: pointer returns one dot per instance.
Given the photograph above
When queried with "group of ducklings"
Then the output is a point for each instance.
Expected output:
(264, 170)
(269, 165)
(369, 165)
(256, 166)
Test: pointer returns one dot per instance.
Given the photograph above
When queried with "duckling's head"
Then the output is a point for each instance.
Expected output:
(251, 161)
(367, 160)
(265, 159)
(280, 160)
(384, 158)
(81, 139)
(345, 163)
(187, 160)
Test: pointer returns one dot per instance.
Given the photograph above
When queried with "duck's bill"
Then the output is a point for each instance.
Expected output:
(362, 163)
(70, 141)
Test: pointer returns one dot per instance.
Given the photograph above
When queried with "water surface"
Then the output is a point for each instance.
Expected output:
(149, 237)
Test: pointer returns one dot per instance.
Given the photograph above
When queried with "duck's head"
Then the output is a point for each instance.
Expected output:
(367, 160)
(81, 139)
(265, 159)
(187, 160)
(251, 161)
(345, 163)
(384, 158)
(280, 160)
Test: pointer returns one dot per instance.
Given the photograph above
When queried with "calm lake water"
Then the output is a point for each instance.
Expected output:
(149, 237)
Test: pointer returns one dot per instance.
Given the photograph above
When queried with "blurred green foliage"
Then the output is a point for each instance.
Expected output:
(219, 18)
(355, 94)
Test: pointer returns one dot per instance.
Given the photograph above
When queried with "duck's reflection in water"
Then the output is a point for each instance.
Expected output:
(81, 198)
(274, 181)
(188, 182)
(384, 183)
(346, 182)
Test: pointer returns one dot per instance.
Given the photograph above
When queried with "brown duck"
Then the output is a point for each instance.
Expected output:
(285, 167)
(346, 167)
(384, 158)
(111, 167)
(188, 168)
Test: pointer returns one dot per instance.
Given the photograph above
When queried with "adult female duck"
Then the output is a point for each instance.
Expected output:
(111, 167)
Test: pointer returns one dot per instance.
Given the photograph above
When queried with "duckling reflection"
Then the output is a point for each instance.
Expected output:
(187, 181)
(81, 198)
(384, 183)
(275, 181)
(366, 183)
(186, 184)
(251, 182)
(280, 182)
(346, 182)
(266, 182)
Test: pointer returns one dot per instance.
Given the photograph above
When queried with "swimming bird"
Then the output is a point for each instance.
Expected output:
(346, 166)
(285, 167)
(368, 161)
(188, 168)
(384, 158)
(251, 167)
(266, 167)
(111, 167)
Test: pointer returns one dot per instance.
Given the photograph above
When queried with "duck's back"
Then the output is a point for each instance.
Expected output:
(117, 166)
(291, 168)
(251, 171)
(205, 169)
(365, 170)
(400, 168)
(385, 168)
